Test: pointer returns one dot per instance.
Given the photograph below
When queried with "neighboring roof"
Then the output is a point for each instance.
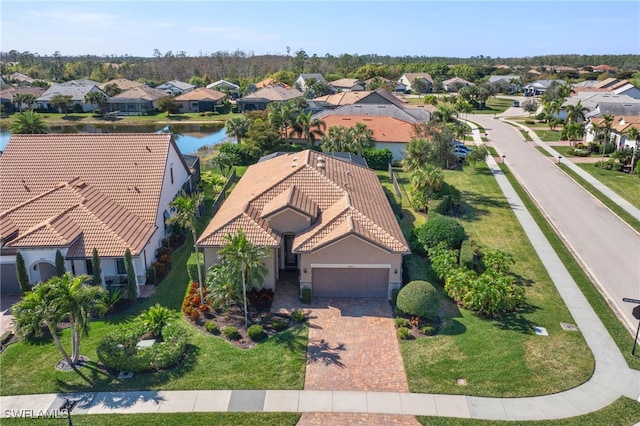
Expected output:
(507, 78)
(349, 197)
(411, 115)
(543, 84)
(122, 83)
(127, 168)
(176, 83)
(273, 93)
(361, 96)
(22, 78)
(604, 68)
(615, 108)
(455, 80)
(411, 76)
(222, 83)
(385, 128)
(77, 89)
(271, 82)
(620, 123)
(317, 76)
(563, 68)
(10, 91)
(607, 85)
(144, 93)
(201, 94)
(346, 82)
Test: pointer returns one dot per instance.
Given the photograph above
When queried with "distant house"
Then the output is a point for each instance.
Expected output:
(424, 80)
(325, 217)
(6, 97)
(200, 100)
(259, 99)
(141, 100)
(348, 85)
(175, 87)
(539, 87)
(271, 82)
(122, 83)
(77, 192)
(512, 82)
(454, 84)
(599, 104)
(76, 89)
(379, 96)
(301, 81)
(620, 126)
(224, 86)
(610, 85)
(21, 79)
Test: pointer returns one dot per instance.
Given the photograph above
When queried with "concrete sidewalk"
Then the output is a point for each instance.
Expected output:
(612, 378)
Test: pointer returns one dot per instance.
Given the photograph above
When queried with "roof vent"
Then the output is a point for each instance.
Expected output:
(294, 164)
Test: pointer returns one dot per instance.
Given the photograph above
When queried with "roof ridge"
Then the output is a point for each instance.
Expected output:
(36, 197)
(44, 224)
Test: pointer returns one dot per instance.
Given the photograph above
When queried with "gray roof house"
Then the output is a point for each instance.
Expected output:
(539, 87)
(599, 103)
(455, 83)
(224, 86)
(259, 99)
(300, 82)
(175, 86)
(348, 85)
(140, 100)
(409, 78)
(77, 89)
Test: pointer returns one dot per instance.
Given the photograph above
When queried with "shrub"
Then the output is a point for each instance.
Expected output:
(152, 278)
(394, 295)
(401, 322)
(305, 295)
(419, 298)
(156, 318)
(459, 283)
(191, 306)
(429, 330)
(378, 159)
(298, 316)
(260, 298)
(278, 324)
(493, 295)
(404, 333)
(230, 333)
(577, 152)
(608, 148)
(117, 350)
(440, 229)
(192, 268)
(466, 254)
(529, 122)
(443, 260)
(255, 332)
(211, 327)
(245, 155)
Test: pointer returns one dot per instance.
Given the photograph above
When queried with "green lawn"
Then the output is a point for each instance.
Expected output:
(494, 106)
(211, 363)
(496, 357)
(625, 185)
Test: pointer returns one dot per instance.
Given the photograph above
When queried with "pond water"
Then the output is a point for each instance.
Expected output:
(189, 137)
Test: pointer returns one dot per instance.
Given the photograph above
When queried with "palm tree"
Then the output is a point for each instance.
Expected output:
(186, 207)
(18, 99)
(605, 130)
(96, 98)
(361, 138)
(238, 127)
(574, 131)
(424, 182)
(335, 140)
(245, 259)
(66, 297)
(29, 99)
(28, 122)
(61, 103)
(575, 113)
(444, 114)
(224, 160)
(417, 154)
(634, 135)
(282, 116)
(308, 127)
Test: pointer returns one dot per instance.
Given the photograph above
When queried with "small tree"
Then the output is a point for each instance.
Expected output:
(23, 275)
(168, 105)
(419, 298)
(96, 268)
(60, 269)
(132, 288)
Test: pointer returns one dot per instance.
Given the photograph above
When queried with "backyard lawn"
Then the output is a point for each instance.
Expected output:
(496, 357)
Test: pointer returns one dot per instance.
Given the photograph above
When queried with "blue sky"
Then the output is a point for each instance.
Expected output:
(414, 28)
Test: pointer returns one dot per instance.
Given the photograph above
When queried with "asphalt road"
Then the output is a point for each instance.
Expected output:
(607, 248)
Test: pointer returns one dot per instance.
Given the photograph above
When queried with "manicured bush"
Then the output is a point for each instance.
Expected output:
(117, 350)
(429, 330)
(401, 322)
(378, 159)
(298, 316)
(438, 229)
(419, 298)
(192, 268)
(255, 332)
(443, 260)
(278, 324)
(305, 295)
(211, 327)
(152, 278)
(404, 333)
(230, 333)
(493, 295)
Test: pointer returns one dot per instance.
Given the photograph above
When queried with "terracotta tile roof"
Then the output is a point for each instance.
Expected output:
(349, 197)
(9, 92)
(411, 76)
(346, 82)
(291, 198)
(76, 214)
(126, 167)
(271, 82)
(621, 123)
(201, 94)
(141, 92)
(122, 83)
(385, 128)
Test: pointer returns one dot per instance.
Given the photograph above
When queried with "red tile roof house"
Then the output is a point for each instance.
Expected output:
(74, 192)
(325, 217)
(200, 100)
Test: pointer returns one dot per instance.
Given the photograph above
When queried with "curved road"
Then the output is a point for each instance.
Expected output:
(607, 248)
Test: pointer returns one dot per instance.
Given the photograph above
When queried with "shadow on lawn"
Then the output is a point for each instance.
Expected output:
(93, 377)
(516, 321)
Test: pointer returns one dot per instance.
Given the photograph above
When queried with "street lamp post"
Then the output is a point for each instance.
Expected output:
(559, 159)
(503, 157)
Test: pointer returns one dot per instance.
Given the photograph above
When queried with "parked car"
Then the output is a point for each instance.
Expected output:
(462, 147)
(515, 104)
(460, 152)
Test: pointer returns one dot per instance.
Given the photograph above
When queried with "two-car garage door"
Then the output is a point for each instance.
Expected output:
(350, 282)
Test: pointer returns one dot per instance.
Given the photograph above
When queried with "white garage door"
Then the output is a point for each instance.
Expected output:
(350, 282)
